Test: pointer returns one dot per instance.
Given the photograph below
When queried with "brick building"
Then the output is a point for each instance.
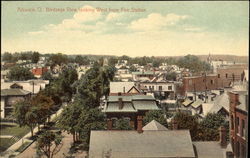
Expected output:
(238, 122)
(230, 74)
(38, 72)
(200, 83)
(132, 108)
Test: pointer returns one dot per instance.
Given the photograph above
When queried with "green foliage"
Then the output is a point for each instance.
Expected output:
(82, 60)
(49, 143)
(206, 130)
(8, 57)
(35, 57)
(122, 124)
(95, 83)
(78, 118)
(47, 76)
(34, 111)
(112, 61)
(63, 85)
(18, 73)
(58, 59)
(171, 76)
(209, 126)
(156, 115)
(193, 63)
(186, 121)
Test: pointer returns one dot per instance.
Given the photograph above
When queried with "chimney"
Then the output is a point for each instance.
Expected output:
(139, 124)
(123, 89)
(223, 135)
(120, 102)
(175, 125)
(119, 93)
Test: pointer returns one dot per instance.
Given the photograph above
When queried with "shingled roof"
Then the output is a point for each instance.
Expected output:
(14, 92)
(121, 144)
(154, 126)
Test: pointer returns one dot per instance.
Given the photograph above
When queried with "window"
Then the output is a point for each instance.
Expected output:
(243, 128)
(237, 125)
(153, 87)
(160, 88)
(212, 81)
(232, 122)
(226, 75)
(169, 87)
(218, 75)
(190, 82)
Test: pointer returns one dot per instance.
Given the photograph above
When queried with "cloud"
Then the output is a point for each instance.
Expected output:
(156, 21)
(36, 32)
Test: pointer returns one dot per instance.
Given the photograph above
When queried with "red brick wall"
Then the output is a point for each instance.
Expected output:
(225, 75)
(236, 137)
(199, 83)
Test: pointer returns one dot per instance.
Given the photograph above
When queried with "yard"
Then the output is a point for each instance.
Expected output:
(11, 130)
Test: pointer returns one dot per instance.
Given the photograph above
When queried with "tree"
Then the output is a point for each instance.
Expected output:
(82, 60)
(193, 63)
(7, 57)
(186, 121)
(47, 76)
(90, 119)
(69, 118)
(208, 127)
(20, 109)
(25, 114)
(58, 59)
(122, 124)
(18, 73)
(49, 143)
(171, 76)
(35, 57)
(156, 115)
(44, 105)
(66, 79)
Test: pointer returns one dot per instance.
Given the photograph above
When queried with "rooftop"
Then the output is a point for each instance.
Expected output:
(14, 92)
(147, 144)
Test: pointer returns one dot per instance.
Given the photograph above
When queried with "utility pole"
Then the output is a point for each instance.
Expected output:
(205, 87)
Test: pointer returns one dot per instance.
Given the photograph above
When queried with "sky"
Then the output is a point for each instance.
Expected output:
(126, 28)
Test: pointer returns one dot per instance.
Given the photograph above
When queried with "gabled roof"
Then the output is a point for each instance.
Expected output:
(116, 87)
(196, 103)
(124, 144)
(14, 92)
(154, 126)
(211, 149)
(187, 102)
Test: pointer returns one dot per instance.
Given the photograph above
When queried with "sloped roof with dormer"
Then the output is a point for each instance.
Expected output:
(131, 103)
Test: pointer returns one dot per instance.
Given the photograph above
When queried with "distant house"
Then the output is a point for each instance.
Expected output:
(124, 88)
(131, 107)
(33, 86)
(38, 72)
(10, 97)
(143, 75)
(154, 140)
